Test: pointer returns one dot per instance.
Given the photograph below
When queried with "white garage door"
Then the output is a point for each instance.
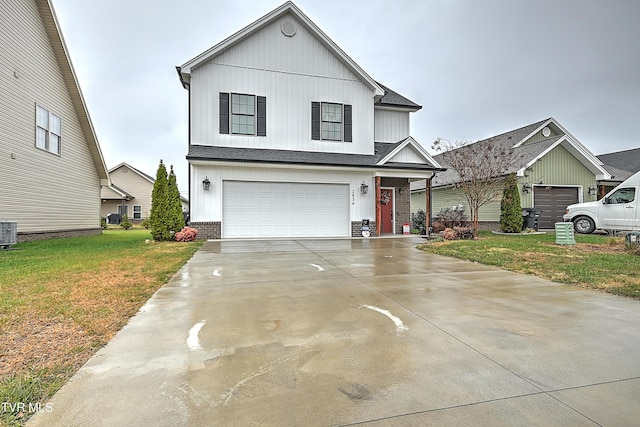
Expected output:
(285, 209)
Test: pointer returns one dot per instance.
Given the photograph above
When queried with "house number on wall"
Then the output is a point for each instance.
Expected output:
(353, 197)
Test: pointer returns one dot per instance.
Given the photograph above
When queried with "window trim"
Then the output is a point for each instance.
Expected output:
(226, 114)
(138, 212)
(346, 123)
(48, 131)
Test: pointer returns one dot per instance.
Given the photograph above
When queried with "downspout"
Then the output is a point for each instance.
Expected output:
(378, 210)
(429, 203)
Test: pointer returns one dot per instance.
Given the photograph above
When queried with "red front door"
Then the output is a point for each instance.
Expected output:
(386, 209)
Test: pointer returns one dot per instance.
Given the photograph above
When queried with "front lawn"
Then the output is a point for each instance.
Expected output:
(597, 262)
(63, 299)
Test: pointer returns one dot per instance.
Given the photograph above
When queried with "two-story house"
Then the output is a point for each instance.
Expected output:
(289, 137)
(51, 166)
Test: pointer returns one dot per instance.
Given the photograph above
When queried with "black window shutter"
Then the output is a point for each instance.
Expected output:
(315, 120)
(224, 112)
(347, 123)
(262, 116)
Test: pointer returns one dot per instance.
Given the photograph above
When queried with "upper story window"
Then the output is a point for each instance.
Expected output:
(242, 114)
(48, 130)
(331, 121)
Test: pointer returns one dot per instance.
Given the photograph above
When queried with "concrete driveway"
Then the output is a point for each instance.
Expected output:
(375, 332)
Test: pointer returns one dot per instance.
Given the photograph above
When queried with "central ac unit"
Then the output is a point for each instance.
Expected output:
(8, 234)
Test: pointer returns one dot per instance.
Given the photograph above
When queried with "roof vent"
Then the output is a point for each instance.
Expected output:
(8, 234)
(546, 131)
(288, 28)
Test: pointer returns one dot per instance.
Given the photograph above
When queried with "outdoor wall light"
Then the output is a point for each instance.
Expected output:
(592, 190)
(526, 187)
(206, 184)
(364, 188)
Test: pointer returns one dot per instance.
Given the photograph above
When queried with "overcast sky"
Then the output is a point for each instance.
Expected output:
(478, 68)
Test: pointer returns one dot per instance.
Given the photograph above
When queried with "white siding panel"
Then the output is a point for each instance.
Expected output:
(391, 126)
(291, 72)
(408, 155)
(40, 190)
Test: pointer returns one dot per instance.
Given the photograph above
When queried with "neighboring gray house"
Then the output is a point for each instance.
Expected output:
(129, 193)
(553, 169)
(51, 166)
(289, 137)
(621, 165)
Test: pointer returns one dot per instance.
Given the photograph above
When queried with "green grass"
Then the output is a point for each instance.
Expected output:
(597, 262)
(63, 299)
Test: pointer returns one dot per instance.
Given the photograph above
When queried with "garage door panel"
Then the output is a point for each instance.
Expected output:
(553, 201)
(275, 209)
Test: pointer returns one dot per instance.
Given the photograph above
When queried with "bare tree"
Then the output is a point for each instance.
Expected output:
(480, 168)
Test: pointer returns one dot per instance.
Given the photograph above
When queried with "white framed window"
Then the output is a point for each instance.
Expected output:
(48, 130)
(331, 128)
(137, 212)
(243, 112)
(331, 121)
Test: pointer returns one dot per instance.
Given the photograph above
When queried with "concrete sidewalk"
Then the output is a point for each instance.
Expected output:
(375, 332)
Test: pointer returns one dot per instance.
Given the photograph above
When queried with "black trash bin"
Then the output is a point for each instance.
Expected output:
(530, 218)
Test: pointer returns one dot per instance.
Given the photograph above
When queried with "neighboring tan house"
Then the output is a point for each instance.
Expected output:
(51, 166)
(129, 194)
(553, 169)
(289, 137)
(621, 165)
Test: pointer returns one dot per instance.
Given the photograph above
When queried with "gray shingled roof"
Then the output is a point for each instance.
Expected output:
(205, 152)
(522, 154)
(621, 164)
(394, 99)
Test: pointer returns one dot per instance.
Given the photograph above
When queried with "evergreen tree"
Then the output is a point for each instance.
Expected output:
(176, 219)
(510, 207)
(158, 218)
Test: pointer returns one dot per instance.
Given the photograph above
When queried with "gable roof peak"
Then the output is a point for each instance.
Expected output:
(184, 71)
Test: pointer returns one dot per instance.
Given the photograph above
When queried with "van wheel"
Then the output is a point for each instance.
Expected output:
(584, 225)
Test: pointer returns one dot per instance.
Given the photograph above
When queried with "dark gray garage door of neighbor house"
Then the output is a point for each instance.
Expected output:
(553, 201)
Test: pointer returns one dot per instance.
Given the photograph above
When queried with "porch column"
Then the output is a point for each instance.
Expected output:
(427, 210)
(378, 211)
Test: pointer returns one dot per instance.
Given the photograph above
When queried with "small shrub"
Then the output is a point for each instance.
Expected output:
(187, 234)
(449, 218)
(145, 223)
(419, 221)
(103, 223)
(458, 233)
(125, 223)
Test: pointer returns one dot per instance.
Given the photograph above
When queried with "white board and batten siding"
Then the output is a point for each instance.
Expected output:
(391, 126)
(291, 72)
(40, 190)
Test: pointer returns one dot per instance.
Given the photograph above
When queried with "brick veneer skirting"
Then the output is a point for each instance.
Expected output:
(356, 228)
(207, 230)
(50, 234)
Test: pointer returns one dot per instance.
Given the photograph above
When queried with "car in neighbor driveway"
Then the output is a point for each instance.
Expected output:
(617, 211)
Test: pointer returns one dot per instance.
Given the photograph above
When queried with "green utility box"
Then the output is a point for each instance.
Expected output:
(564, 233)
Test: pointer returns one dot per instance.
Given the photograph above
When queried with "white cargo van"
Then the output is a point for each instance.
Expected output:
(618, 210)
